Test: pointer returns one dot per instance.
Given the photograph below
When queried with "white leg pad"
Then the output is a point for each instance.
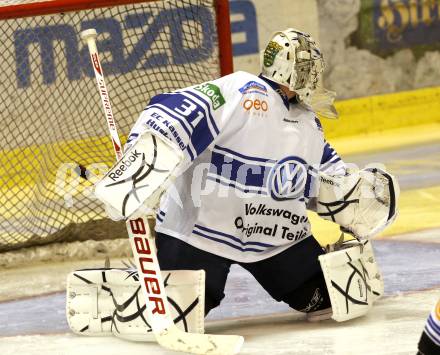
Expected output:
(106, 302)
(353, 280)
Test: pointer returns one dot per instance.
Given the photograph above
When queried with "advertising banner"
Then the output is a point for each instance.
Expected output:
(386, 26)
(253, 22)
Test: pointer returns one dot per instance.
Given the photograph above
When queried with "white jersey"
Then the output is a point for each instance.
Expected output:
(432, 326)
(251, 158)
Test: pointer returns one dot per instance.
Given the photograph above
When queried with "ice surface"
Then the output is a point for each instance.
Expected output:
(249, 311)
(392, 327)
(32, 317)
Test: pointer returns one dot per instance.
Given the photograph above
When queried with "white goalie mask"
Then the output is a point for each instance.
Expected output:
(291, 58)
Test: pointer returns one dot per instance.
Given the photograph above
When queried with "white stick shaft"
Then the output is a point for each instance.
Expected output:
(90, 37)
(142, 243)
(144, 253)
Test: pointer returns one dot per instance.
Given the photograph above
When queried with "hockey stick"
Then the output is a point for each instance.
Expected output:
(144, 253)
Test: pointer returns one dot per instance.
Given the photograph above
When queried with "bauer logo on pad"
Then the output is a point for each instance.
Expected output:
(140, 177)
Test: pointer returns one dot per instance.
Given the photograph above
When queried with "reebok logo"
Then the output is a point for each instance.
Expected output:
(124, 165)
(213, 92)
(327, 181)
(290, 121)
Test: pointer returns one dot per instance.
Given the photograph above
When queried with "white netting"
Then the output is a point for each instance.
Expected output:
(50, 108)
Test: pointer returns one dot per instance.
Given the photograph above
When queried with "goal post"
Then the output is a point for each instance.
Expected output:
(53, 139)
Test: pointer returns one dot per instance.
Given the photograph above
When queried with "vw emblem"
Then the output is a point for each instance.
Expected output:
(287, 179)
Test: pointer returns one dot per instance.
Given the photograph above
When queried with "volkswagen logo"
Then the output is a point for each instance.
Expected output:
(287, 179)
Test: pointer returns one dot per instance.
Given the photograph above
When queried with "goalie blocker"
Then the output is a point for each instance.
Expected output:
(124, 189)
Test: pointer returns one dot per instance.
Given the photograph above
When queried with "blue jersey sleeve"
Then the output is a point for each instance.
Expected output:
(191, 117)
(331, 162)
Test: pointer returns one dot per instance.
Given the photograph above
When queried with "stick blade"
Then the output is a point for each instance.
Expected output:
(177, 340)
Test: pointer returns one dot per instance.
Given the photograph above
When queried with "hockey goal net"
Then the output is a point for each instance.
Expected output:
(54, 135)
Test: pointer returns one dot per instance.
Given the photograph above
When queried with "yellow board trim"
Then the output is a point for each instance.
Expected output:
(386, 140)
(418, 210)
(382, 112)
(39, 163)
(362, 121)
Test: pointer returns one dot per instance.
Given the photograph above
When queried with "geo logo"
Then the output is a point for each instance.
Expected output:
(255, 104)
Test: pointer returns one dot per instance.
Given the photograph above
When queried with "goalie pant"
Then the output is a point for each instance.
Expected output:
(429, 343)
(293, 276)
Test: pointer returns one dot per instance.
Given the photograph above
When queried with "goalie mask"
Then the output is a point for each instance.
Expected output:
(292, 59)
